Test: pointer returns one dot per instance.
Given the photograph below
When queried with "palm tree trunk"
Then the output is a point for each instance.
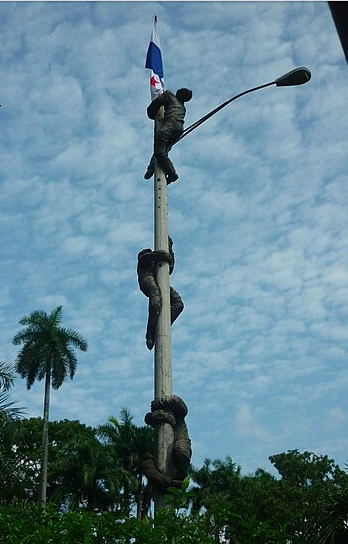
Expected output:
(217, 534)
(44, 457)
(90, 503)
(138, 496)
(126, 499)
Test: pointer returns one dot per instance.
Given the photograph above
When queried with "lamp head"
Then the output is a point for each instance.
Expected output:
(295, 77)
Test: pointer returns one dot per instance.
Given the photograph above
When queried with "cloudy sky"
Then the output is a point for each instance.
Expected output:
(259, 215)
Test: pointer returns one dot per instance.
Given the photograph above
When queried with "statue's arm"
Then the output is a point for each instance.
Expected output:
(145, 259)
(161, 255)
(155, 105)
(171, 264)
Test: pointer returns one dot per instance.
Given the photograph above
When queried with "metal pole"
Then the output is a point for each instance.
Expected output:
(163, 348)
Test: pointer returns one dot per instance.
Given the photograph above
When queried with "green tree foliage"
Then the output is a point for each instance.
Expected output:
(84, 471)
(333, 521)
(10, 478)
(77, 467)
(237, 506)
(22, 524)
(307, 504)
(47, 352)
(27, 444)
(95, 480)
(84, 477)
(307, 481)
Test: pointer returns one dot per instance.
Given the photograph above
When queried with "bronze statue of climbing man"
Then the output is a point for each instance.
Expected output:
(169, 130)
(146, 270)
(171, 410)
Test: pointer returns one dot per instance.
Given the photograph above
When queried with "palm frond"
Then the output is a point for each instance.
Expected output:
(76, 339)
(56, 316)
(6, 376)
(7, 410)
(27, 367)
(71, 361)
(109, 432)
(126, 417)
(34, 319)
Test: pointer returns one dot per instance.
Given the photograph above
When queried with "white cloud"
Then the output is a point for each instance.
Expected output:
(247, 426)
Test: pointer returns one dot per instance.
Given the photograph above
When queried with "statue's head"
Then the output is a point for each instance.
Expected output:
(184, 95)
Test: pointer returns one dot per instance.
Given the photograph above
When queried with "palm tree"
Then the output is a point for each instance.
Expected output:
(82, 476)
(48, 353)
(143, 447)
(215, 477)
(128, 445)
(217, 481)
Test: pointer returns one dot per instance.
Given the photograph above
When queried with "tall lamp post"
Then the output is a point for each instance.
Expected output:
(164, 433)
(163, 351)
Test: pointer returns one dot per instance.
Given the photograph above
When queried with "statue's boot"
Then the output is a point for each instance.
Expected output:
(150, 172)
(176, 305)
(161, 148)
(150, 169)
(161, 480)
(172, 177)
(149, 342)
(150, 333)
(155, 305)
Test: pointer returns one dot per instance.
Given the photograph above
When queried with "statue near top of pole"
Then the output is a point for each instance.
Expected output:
(169, 131)
(172, 123)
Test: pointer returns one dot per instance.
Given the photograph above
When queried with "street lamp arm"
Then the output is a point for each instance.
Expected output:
(211, 113)
(298, 76)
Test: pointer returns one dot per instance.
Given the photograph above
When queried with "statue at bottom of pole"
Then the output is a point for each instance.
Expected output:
(171, 410)
(146, 270)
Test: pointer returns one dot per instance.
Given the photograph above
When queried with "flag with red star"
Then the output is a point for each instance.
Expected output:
(154, 62)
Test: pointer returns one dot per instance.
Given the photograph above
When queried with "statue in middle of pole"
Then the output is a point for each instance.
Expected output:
(170, 130)
(146, 270)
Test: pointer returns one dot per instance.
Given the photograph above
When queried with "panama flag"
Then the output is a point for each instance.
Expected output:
(154, 62)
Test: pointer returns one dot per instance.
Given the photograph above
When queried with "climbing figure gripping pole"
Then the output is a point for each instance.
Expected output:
(169, 130)
(146, 270)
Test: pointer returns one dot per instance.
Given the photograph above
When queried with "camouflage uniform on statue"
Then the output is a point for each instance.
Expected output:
(146, 270)
(169, 130)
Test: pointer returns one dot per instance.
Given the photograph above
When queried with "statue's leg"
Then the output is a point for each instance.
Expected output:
(155, 305)
(158, 478)
(182, 449)
(150, 169)
(162, 142)
(176, 305)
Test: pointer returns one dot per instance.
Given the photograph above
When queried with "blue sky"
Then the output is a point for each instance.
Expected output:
(258, 216)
